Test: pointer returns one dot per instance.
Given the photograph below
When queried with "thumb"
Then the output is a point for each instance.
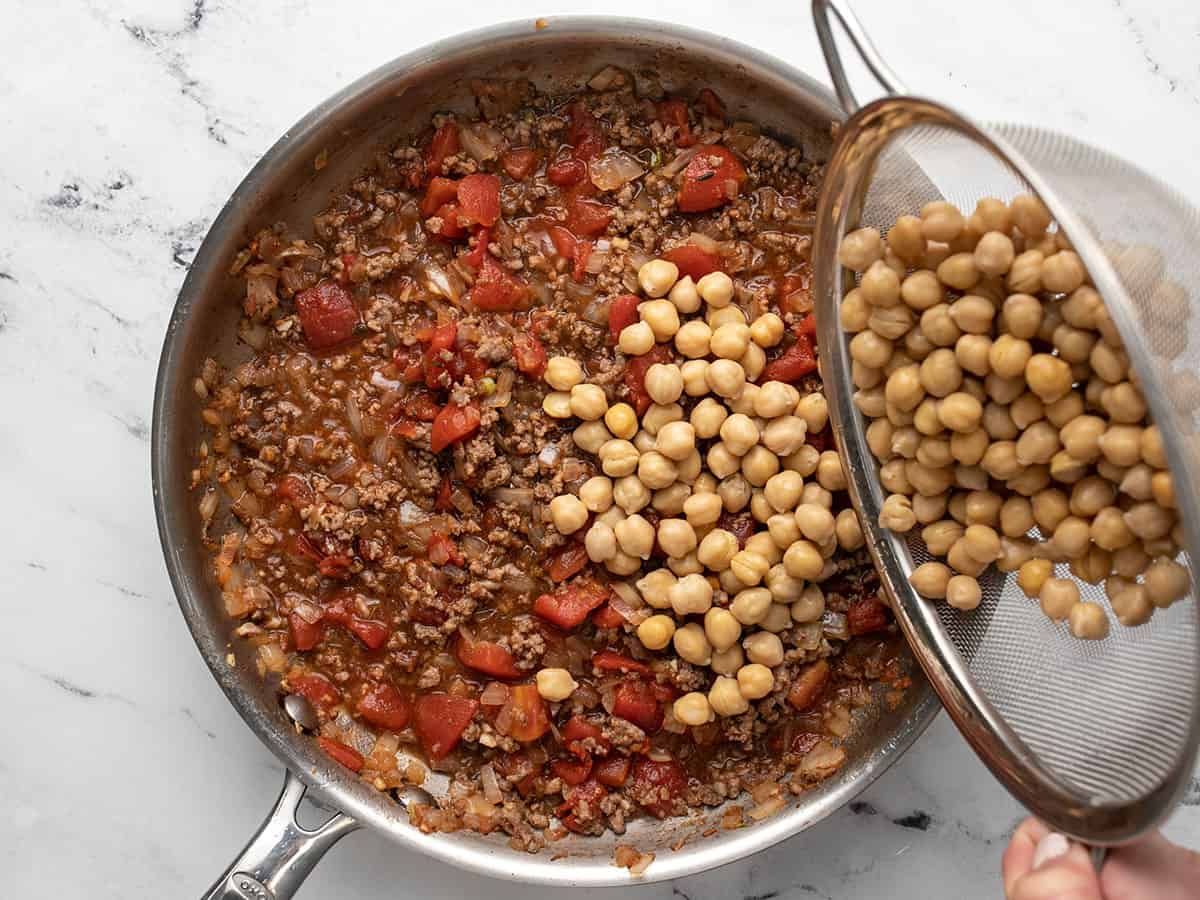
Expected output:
(1061, 871)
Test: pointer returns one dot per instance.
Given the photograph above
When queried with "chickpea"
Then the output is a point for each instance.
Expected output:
(657, 277)
(870, 349)
(929, 509)
(669, 500)
(1162, 486)
(1072, 536)
(1093, 566)
(963, 592)
(728, 662)
(618, 457)
(1025, 274)
(904, 388)
(702, 509)
(776, 398)
(1062, 272)
(636, 536)
(676, 537)
(1166, 582)
(725, 697)
(692, 339)
(675, 441)
(939, 537)
(636, 339)
(783, 489)
(785, 435)
(1081, 437)
(739, 434)
(656, 632)
(880, 285)
(930, 580)
(1130, 561)
(590, 437)
(721, 462)
(588, 402)
(905, 239)
(764, 648)
(1149, 521)
(940, 373)
(664, 383)
(848, 530)
(717, 549)
(684, 295)
(922, 291)
(753, 361)
(758, 465)
(960, 412)
(730, 340)
(1151, 445)
(1129, 602)
(981, 542)
(692, 645)
(803, 560)
(1124, 403)
(707, 418)
(941, 221)
(612, 515)
(750, 568)
(716, 288)
(1032, 575)
(630, 494)
(721, 629)
(894, 477)
(1027, 409)
(1121, 444)
(1111, 364)
(735, 492)
(994, 253)
(871, 402)
(830, 474)
(860, 248)
(755, 681)
(563, 373)
(555, 684)
(726, 378)
(767, 330)
(654, 588)
(815, 522)
(567, 513)
(692, 709)
(783, 530)
(1030, 215)
(778, 618)
(1110, 530)
(973, 353)
(895, 515)
(643, 441)
(804, 460)
(1087, 620)
(557, 405)
(1038, 444)
(600, 543)
(855, 312)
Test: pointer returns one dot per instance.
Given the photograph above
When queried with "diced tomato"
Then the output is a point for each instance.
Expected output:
(335, 566)
(675, 112)
(443, 503)
(526, 713)
(807, 325)
(584, 134)
(519, 164)
(479, 199)
(712, 103)
(571, 604)
(569, 247)
(496, 289)
(440, 192)
(613, 771)
(636, 702)
(316, 689)
(692, 261)
(567, 562)
(439, 337)
(487, 657)
(572, 771)
(303, 548)
(444, 143)
(793, 364)
(472, 363)
(327, 314)
(339, 752)
(517, 768)
(441, 550)
(406, 428)
(530, 355)
(795, 291)
(658, 785)
(566, 172)
(422, 407)
(371, 632)
(439, 721)
(708, 184)
(635, 375)
(866, 615)
(453, 424)
(305, 634)
(294, 490)
(482, 238)
(587, 218)
(622, 312)
(607, 617)
(803, 742)
(590, 793)
(384, 706)
(580, 729)
(611, 661)
(452, 227)
(740, 525)
(809, 684)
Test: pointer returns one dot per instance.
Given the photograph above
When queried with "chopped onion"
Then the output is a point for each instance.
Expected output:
(272, 657)
(767, 808)
(704, 242)
(679, 163)
(491, 786)
(503, 394)
(481, 141)
(548, 455)
(834, 625)
(473, 547)
(437, 281)
(308, 611)
(609, 76)
(342, 467)
(517, 585)
(208, 505)
(596, 312)
(410, 513)
(614, 169)
(253, 333)
(381, 449)
(384, 383)
(353, 415)
(519, 497)
(596, 261)
(260, 293)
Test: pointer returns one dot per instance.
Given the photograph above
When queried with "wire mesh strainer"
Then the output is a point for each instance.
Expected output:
(1096, 738)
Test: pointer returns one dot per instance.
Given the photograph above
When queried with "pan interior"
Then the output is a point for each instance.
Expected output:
(373, 115)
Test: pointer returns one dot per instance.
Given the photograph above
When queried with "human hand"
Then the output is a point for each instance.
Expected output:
(1042, 865)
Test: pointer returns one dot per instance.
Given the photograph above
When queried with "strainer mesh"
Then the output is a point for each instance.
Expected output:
(1111, 719)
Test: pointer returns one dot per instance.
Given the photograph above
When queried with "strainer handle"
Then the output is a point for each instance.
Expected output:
(822, 12)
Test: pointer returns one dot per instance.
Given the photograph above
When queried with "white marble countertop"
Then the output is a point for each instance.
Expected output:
(124, 772)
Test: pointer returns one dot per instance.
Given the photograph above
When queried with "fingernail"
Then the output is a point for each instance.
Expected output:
(1052, 846)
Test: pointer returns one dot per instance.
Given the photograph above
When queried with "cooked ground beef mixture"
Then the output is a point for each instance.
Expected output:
(417, 530)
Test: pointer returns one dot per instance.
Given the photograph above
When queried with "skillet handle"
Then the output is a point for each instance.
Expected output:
(281, 854)
(823, 12)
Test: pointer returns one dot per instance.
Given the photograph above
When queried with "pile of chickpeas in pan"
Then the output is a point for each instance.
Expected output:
(1001, 403)
(716, 604)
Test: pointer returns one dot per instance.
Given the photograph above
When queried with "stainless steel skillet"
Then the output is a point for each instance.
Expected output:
(370, 115)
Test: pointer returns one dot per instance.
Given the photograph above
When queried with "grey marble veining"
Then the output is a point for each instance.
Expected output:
(124, 125)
